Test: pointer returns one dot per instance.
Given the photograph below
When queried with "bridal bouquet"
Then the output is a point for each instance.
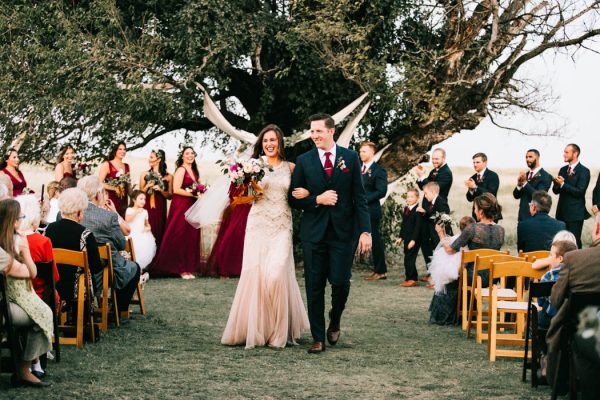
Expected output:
(155, 180)
(442, 219)
(245, 176)
(81, 170)
(120, 183)
(196, 188)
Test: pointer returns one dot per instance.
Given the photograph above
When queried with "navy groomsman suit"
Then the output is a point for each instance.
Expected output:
(571, 201)
(443, 177)
(536, 180)
(487, 182)
(374, 179)
(596, 194)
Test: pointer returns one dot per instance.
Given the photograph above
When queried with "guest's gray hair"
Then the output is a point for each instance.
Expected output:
(30, 208)
(564, 236)
(91, 186)
(3, 191)
(71, 201)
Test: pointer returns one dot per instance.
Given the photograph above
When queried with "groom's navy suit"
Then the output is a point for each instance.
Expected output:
(328, 232)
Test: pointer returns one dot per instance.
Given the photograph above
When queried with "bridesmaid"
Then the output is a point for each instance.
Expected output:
(64, 163)
(113, 168)
(9, 166)
(180, 250)
(156, 203)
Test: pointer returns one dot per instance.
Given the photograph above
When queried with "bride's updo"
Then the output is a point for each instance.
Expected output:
(488, 204)
(258, 147)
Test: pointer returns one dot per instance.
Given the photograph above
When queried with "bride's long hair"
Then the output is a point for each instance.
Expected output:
(258, 146)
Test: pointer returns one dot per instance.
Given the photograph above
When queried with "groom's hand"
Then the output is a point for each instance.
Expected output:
(327, 198)
(365, 243)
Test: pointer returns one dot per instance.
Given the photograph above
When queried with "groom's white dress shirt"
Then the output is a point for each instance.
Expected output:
(366, 166)
(323, 158)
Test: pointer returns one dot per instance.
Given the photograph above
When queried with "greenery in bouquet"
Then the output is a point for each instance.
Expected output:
(120, 183)
(248, 174)
(196, 189)
(154, 178)
(442, 219)
(81, 170)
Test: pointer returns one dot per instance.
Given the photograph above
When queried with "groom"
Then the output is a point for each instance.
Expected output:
(337, 199)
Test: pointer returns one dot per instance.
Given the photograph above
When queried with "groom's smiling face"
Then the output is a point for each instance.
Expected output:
(321, 135)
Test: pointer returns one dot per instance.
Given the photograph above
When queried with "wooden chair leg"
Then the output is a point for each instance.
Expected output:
(140, 295)
(525, 363)
(115, 306)
(492, 325)
(479, 327)
(80, 312)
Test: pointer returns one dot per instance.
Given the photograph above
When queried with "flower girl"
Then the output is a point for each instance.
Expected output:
(143, 240)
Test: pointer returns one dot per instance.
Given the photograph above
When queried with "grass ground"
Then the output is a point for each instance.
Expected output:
(387, 350)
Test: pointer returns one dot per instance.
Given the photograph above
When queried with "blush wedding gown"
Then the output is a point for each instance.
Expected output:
(267, 308)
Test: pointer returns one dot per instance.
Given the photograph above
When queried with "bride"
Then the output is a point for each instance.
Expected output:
(267, 308)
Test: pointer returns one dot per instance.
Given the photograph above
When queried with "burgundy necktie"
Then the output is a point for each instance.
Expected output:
(569, 170)
(328, 164)
(364, 169)
(478, 178)
(530, 176)
(406, 210)
(431, 207)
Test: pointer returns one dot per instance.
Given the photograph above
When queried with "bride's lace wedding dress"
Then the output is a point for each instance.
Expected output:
(267, 308)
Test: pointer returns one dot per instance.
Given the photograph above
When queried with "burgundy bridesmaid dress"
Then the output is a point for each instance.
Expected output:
(226, 256)
(121, 203)
(18, 184)
(157, 215)
(180, 249)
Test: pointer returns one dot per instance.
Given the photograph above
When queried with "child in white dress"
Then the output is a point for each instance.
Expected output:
(143, 241)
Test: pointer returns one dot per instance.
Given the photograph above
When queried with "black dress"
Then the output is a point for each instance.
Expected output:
(475, 236)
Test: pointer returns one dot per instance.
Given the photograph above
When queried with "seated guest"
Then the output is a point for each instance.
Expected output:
(485, 234)
(581, 273)
(68, 182)
(67, 233)
(586, 348)
(536, 233)
(30, 315)
(40, 246)
(545, 262)
(102, 219)
(53, 191)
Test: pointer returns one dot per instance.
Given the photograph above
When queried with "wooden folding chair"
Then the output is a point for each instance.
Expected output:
(77, 259)
(534, 255)
(520, 270)
(129, 248)
(7, 330)
(45, 270)
(108, 281)
(536, 290)
(468, 256)
(482, 294)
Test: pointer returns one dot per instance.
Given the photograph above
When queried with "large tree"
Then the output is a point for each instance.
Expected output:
(92, 72)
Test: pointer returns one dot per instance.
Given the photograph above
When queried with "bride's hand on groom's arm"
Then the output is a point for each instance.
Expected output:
(327, 198)
(365, 243)
(300, 193)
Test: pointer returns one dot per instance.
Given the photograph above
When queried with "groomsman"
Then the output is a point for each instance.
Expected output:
(596, 197)
(571, 184)
(374, 179)
(530, 182)
(483, 181)
(442, 176)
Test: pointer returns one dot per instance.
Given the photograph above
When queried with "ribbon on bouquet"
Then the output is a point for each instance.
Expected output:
(244, 196)
(152, 201)
(120, 190)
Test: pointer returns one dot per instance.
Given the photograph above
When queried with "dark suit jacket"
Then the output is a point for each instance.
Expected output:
(412, 225)
(440, 205)
(347, 182)
(536, 233)
(540, 181)
(443, 177)
(375, 183)
(596, 193)
(580, 273)
(489, 184)
(571, 200)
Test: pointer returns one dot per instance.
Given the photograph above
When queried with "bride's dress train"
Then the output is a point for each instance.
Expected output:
(267, 308)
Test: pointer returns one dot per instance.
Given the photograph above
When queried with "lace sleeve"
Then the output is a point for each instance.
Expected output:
(465, 238)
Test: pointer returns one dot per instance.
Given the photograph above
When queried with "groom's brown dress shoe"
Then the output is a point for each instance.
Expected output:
(317, 347)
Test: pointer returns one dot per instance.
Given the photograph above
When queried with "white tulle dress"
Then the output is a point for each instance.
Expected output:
(444, 268)
(267, 308)
(143, 240)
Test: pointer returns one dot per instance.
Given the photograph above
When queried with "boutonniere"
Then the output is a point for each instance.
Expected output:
(341, 164)
(369, 172)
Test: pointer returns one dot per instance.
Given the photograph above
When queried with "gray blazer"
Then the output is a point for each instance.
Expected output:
(104, 225)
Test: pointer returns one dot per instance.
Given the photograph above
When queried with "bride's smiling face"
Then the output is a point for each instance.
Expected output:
(270, 144)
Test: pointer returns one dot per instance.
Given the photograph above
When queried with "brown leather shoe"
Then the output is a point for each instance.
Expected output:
(376, 277)
(409, 283)
(430, 286)
(317, 347)
(425, 278)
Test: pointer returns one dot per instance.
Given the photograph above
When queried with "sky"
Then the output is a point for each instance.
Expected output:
(574, 81)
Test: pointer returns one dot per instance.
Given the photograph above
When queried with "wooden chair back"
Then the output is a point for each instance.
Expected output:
(130, 248)
(468, 256)
(534, 255)
(7, 329)
(78, 259)
(45, 271)
(108, 283)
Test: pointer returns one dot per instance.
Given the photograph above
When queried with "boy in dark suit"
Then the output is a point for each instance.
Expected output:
(410, 234)
(571, 184)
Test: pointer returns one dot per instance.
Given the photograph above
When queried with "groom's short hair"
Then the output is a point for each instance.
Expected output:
(328, 119)
(433, 186)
